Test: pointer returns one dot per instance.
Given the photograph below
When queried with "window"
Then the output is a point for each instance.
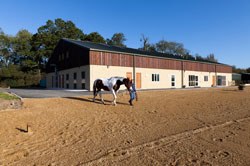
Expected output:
(67, 86)
(206, 78)
(221, 80)
(62, 80)
(155, 77)
(173, 80)
(52, 81)
(193, 80)
(59, 77)
(67, 55)
(75, 76)
(83, 85)
(75, 86)
(83, 74)
(67, 77)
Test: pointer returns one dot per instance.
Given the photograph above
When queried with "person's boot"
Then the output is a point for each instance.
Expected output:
(130, 102)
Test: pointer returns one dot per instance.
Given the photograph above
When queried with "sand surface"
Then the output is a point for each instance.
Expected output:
(173, 127)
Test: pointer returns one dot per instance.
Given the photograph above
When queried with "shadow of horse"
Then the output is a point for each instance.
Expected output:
(107, 102)
(230, 90)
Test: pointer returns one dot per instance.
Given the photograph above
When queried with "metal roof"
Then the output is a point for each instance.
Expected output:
(108, 48)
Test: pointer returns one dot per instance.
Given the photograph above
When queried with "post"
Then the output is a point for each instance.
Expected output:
(182, 75)
(215, 75)
(134, 68)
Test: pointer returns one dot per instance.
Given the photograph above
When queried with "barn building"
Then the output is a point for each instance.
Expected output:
(76, 64)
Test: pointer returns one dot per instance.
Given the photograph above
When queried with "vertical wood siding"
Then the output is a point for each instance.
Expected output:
(125, 60)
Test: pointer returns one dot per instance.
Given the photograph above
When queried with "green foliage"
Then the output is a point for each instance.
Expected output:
(6, 96)
(48, 35)
(117, 39)
(13, 76)
(211, 58)
(22, 43)
(95, 37)
(146, 45)
(5, 48)
(174, 48)
(240, 70)
(188, 56)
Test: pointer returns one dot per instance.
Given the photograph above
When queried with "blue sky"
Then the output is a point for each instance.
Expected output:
(221, 27)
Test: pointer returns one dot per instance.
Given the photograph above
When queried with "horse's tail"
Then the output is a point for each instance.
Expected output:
(94, 88)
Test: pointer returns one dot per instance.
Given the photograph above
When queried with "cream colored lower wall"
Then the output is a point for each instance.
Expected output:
(146, 76)
(164, 80)
(71, 80)
(93, 72)
(201, 75)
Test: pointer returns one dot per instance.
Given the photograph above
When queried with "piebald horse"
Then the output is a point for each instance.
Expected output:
(110, 84)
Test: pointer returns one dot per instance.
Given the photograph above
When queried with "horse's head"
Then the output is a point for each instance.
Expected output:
(128, 83)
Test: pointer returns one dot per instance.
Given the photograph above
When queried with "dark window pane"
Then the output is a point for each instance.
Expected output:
(83, 85)
(75, 76)
(83, 75)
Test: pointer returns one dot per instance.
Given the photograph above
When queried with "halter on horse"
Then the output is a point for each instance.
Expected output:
(111, 84)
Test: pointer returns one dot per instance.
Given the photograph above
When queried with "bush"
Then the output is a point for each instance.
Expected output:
(13, 76)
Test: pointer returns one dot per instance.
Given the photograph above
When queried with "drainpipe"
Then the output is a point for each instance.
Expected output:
(215, 76)
(134, 68)
(182, 74)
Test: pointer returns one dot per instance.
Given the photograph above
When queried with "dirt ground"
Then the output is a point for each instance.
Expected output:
(10, 104)
(172, 127)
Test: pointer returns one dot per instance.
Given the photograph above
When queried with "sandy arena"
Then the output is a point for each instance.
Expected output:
(172, 127)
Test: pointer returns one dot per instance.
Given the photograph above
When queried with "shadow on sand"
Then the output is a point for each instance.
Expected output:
(22, 130)
(97, 101)
(230, 90)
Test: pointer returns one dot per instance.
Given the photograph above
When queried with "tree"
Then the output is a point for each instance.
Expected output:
(162, 46)
(1, 31)
(199, 57)
(22, 43)
(211, 58)
(145, 42)
(117, 39)
(238, 70)
(146, 45)
(6, 50)
(188, 56)
(95, 37)
(248, 70)
(174, 48)
(47, 36)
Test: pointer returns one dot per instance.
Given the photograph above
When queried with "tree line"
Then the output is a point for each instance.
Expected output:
(23, 57)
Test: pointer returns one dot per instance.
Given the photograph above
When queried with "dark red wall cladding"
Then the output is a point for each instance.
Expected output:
(125, 60)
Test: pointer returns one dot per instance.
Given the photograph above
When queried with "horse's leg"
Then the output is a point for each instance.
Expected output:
(114, 95)
(100, 94)
(95, 94)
